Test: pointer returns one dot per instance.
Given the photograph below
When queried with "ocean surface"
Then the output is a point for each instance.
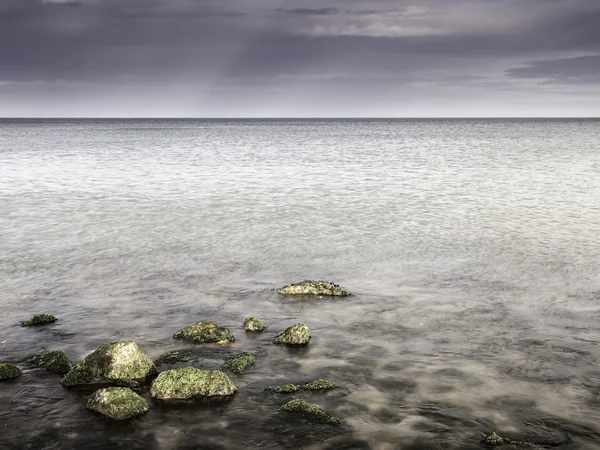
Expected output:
(472, 247)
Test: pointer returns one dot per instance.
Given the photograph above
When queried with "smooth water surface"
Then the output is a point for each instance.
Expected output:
(472, 246)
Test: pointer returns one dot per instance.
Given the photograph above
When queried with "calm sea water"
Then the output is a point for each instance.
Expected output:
(473, 247)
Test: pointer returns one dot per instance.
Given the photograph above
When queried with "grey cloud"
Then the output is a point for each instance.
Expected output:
(308, 11)
(578, 70)
(63, 2)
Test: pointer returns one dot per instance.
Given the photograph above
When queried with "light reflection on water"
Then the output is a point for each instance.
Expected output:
(473, 248)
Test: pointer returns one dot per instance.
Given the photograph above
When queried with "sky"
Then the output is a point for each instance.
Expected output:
(312, 58)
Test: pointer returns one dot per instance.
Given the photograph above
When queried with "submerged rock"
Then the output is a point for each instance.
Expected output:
(312, 287)
(205, 333)
(117, 362)
(55, 361)
(174, 357)
(189, 382)
(496, 441)
(253, 324)
(298, 334)
(119, 403)
(240, 363)
(305, 408)
(9, 371)
(317, 385)
(40, 319)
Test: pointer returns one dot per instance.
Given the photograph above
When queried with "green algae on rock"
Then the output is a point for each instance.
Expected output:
(240, 363)
(174, 357)
(496, 441)
(298, 334)
(40, 319)
(55, 361)
(253, 324)
(205, 332)
(189, 382)
(119, 403)
(116, 362)
(303, 407)
(313, 287)
(9, 371)
(317, 385)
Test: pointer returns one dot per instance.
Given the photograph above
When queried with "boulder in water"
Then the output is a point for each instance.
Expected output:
(116, 363)
(40, 319)
(298, 334)
(496, 441)
(119, 403)
(9, 371)
(305, 408)
(253, 324)
(240, 363)
(314, 287)
(55, 361)
(174, 357)
(205, 332)
(317, 385)
(189, 382)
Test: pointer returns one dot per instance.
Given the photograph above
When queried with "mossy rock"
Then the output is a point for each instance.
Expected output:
(298, 334)
(314, 287)
(253, 324)
(240, 363)
(9, 371)
(312, 411)
(189, 382)
(40, 319)
(174, 357)
(118, 403)
(55, 361)
(205, 332)
(496, 441)
(115, 363)
(317, 385)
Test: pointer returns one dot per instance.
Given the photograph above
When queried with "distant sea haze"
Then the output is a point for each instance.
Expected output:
(472, 247)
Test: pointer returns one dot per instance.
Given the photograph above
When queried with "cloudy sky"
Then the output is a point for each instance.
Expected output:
(276, 58)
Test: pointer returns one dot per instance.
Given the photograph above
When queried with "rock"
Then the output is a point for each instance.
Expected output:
(317, 385)
(189, 382)
(116, 363)
(253, 324)
(174, 357)
(305, 408)
(54, 361)
(119, 403)
(240, 363)
(40, 319)
(298, 334)
(9, 371)
(312, 287)
(496, 441)
(205, 333)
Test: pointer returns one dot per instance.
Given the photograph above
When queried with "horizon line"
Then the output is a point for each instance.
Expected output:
(290, 117)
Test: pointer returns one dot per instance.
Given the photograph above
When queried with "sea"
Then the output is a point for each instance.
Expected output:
(472, 248)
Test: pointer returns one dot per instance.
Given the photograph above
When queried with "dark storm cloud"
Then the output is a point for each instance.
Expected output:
(578, 70)
(339, 44)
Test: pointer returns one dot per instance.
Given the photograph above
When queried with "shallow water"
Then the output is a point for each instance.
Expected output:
(473, 248)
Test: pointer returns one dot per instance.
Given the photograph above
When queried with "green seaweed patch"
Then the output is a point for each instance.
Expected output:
(9, 371)
(205, 332)
(55, 361)
(254, 324)
(119, 362)
(494, 440)
(305, 408)
(189, 382)
(240, 363)
(283, 389)
(118, 403)
(314, 287)
(298, 334)
(317, 385)
(40, 319)
(174, 357)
